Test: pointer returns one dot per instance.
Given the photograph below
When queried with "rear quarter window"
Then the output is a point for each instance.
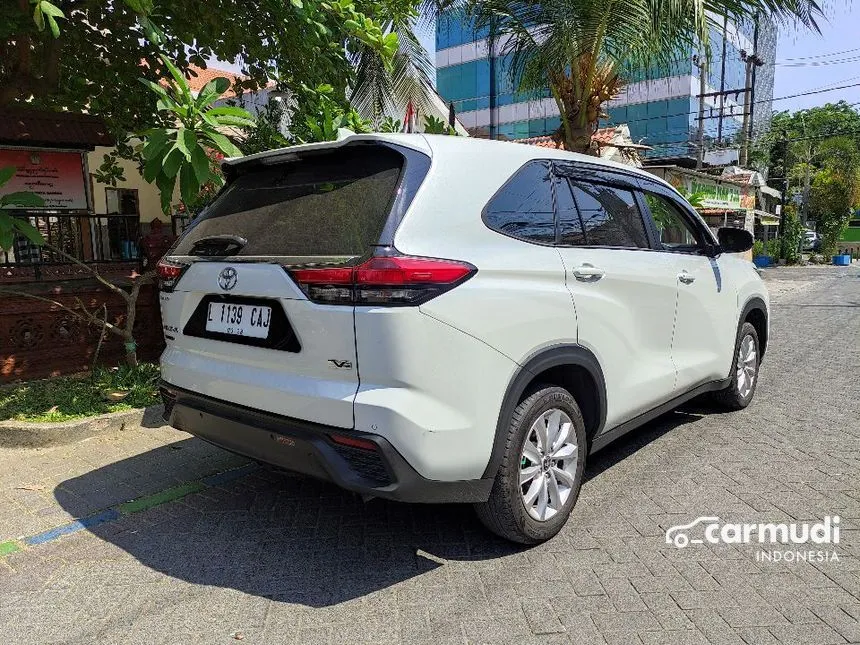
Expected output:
(523, 207)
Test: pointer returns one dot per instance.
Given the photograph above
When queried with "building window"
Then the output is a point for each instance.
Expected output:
(118, 233)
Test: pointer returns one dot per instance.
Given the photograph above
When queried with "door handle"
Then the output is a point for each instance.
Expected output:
(686, 278)
(588, 272)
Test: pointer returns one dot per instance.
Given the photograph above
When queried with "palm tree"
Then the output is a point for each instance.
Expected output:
(380, 89)
(581, 49)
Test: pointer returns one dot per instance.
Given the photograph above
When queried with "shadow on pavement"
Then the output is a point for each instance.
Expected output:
(289, 538)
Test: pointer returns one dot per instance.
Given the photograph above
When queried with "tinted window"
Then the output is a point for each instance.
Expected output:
(570, 227)
(672, 227)
(523, 207)
(610, 216)
(330, 204)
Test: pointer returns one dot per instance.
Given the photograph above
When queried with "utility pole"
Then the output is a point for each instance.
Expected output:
(701, 61)
(752, 61)
(781, 226)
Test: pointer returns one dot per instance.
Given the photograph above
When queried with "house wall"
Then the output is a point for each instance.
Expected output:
(149, 201)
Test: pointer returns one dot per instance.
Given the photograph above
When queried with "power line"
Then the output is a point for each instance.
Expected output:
(817, 56)
(778, 98)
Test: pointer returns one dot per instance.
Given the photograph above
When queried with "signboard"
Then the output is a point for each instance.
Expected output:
(57, 177)
(717, 195)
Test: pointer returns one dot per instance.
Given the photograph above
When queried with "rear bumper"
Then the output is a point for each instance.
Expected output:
(305, 447)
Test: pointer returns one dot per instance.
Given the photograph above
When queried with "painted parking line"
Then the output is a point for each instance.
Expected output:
(130, 507)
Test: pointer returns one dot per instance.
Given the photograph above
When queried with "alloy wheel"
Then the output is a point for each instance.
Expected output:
(548, 464)
(747, 366)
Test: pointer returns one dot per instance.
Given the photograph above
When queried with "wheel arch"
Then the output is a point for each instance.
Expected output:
(570, 366)
(755, 311)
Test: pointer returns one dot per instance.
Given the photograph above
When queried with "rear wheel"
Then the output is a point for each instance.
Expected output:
(541, 472)
(744, 374)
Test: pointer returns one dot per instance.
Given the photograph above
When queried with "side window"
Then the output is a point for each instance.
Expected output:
(523, 206)
(673, 229)
(610, 216)
(570, 229)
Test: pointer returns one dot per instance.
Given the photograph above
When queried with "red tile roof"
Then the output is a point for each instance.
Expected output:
(198, 77)
(24, 127)
(602, 136)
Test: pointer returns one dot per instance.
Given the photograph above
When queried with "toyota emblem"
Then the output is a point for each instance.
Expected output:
(227, 278)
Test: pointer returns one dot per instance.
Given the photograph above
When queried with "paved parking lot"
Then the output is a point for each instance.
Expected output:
(262, 557)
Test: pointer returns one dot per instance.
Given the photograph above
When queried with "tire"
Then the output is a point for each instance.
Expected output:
(505, 513)
(738, 394)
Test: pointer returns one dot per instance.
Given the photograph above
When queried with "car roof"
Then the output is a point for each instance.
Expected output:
(441, 147)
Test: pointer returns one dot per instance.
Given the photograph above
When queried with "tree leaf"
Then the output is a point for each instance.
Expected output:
(172, 161)
(153, 166)
(231, 110)
(223, 143)
(7, 237)
(200, 162)
(212, 91)
(155, 87)
(6, 174)
(155, 143)
(165, 186)
(39, 18)
(297, 3)
(238, 121)
(188, 184)
(186, 142)
(51, 10)
(23, 198)
(55, 28)
(29, 231)
(178, 77)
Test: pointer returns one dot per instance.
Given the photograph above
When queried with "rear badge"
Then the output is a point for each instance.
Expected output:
(340, 365)
(228, 278)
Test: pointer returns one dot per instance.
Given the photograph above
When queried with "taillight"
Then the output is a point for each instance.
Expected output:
(169, 272)
(395, 280)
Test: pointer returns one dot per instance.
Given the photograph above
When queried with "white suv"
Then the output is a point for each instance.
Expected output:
(441, 319)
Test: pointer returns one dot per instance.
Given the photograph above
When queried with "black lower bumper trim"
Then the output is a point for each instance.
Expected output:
(305, 447)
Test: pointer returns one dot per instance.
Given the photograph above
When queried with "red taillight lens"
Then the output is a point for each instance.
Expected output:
(169, 272)
(353, 442)
(395, 280)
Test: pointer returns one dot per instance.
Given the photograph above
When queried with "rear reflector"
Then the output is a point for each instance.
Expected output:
(169, 272)
(395, 280)
(353, 442)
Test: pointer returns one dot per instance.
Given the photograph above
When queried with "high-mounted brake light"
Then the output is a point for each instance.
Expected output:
(169, 272)
(394, 280)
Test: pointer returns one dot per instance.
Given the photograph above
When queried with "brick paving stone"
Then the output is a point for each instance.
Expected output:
(283, 559)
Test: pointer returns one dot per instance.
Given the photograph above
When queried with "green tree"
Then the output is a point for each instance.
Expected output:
(582, 50)
(182, 150)
(91, 60)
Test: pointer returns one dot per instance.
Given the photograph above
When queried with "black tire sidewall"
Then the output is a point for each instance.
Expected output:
(747, 329)
(541, 400)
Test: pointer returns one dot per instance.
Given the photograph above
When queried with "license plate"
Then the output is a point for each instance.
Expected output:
(239, 320)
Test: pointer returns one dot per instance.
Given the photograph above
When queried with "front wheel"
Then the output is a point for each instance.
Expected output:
(541, 472)
(744, 375)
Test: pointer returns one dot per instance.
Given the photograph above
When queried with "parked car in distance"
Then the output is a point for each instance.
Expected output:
(443, 319)
(811, 241)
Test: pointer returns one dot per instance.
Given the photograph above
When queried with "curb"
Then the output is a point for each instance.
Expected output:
(24, 434)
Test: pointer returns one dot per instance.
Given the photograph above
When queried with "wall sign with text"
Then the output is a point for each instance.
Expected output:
(57, 177)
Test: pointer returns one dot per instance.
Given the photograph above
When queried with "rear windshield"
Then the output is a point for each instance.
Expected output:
(325, 204)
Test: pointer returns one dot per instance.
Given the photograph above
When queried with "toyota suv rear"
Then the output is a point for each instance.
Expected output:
(433, 319)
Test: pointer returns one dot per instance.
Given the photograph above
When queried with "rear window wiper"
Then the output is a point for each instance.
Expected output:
(218, 245)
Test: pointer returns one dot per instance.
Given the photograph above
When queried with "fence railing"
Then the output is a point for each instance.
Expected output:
(88, 238)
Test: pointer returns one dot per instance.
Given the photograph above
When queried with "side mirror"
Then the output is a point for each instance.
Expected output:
(734, 240)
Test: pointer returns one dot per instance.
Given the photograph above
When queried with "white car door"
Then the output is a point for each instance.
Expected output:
(705, 324)
(624, 293)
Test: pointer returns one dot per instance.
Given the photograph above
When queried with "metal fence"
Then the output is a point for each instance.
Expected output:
(88, 238)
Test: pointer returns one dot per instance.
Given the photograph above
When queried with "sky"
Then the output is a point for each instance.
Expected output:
(807, 61)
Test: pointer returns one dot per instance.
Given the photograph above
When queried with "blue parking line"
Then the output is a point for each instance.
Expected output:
(111, 514)
(85, 523)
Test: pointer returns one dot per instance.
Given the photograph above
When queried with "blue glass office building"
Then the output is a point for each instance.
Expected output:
(659, 105)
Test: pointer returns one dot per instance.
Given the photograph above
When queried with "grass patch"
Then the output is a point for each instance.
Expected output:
(66, 398)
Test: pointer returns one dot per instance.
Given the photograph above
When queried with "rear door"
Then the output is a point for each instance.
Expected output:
(624, 292)
(239, 327)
